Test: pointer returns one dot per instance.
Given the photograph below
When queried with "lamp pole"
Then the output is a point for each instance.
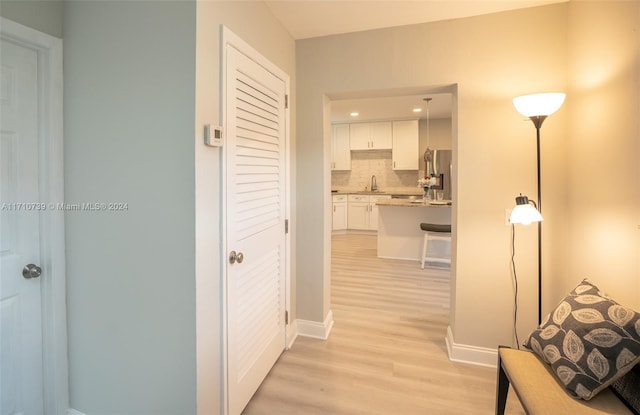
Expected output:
(538, 107)
(537, 121)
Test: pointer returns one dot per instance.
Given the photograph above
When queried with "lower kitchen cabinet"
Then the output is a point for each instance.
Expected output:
(339, 212)
(363, 211)
(373, 213)
(358, 216)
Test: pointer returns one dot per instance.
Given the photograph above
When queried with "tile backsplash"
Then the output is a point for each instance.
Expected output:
(364, 164)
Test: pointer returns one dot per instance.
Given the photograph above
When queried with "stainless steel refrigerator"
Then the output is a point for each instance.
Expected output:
(441, 166)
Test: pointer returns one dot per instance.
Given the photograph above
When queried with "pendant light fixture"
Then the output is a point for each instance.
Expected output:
(428, 154)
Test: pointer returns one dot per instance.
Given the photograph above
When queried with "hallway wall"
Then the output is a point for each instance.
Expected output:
(129, 104)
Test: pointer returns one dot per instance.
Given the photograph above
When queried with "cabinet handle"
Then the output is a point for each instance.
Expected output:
(334, 208)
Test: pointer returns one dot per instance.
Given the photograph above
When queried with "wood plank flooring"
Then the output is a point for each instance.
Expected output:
(386, 353)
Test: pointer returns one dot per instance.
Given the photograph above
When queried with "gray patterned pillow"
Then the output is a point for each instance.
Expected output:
(589, 340)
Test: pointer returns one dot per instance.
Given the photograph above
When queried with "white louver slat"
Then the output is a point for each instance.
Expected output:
(257, 181)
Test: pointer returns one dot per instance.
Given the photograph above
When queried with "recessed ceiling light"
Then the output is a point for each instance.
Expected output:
(354, 114)
(417, 110)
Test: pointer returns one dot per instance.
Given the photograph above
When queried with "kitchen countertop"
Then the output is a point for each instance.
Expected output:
(414, 203)
(399, 191)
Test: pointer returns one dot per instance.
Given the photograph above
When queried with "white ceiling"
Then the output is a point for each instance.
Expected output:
(312, 18)
(391, 108)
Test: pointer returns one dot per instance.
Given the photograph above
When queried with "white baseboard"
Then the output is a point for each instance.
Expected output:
(315, 329)
(72, 411)
(474, 355)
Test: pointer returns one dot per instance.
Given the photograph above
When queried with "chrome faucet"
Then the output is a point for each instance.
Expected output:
(374, 185)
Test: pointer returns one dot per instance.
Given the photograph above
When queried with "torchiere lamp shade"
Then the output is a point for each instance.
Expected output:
(539, 104)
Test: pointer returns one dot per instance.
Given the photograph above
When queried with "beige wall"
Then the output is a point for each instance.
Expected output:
(254, 23)
(590, 149)
(603, 192)
(491, 59)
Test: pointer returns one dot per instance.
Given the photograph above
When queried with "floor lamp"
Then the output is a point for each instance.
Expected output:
(537, 107)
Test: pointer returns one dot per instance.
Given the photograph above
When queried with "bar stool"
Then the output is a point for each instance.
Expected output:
(434, 232)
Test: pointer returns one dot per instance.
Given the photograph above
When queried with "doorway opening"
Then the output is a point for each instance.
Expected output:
(364, 286)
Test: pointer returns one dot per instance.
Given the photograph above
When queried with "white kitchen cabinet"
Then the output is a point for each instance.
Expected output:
(339, 212)
(360, 136)
(381, 133)
(405, 145)
(358, 212)
(363, 211)
(340, 147)
(373, 211)
(371, 136)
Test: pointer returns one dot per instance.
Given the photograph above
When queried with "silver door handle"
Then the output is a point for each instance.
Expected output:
(236, 257)
(31, 271)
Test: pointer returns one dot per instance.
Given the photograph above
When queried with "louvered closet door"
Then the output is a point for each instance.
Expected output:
(255, 183)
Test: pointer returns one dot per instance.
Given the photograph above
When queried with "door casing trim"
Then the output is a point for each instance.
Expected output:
(51, 192)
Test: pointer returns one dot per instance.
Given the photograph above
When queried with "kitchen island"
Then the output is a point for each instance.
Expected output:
(399, 233)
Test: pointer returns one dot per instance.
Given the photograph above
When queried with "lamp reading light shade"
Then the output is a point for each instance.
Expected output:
(524, 213)
(539, 104)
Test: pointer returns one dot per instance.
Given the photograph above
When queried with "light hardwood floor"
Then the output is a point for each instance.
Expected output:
(386, 353)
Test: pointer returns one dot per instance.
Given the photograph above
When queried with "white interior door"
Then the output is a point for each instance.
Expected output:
(255, 163)
(21, 361)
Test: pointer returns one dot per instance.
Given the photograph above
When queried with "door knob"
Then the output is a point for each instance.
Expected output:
(236, 257)
(31, 271)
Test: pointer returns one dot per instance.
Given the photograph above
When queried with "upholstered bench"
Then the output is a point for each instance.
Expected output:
(540, 392)
(584, 359)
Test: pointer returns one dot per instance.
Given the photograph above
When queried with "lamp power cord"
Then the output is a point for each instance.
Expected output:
(515, 285)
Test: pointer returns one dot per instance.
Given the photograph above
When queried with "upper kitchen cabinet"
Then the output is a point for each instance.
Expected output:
(371, 136)
(340, 150)
(405, 145)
